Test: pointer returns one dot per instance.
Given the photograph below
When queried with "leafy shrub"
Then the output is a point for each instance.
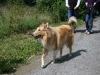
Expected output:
(58, 9)
(82, 9)
(28, 2)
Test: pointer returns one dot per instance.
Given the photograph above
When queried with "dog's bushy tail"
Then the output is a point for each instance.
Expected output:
(72, 22)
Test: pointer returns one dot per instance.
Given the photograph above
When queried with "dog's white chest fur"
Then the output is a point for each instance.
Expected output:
(43, 42)
(50, 47)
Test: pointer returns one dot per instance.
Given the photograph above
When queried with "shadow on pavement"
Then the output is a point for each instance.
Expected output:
(83, 31)
(95, 31)
(66, 57)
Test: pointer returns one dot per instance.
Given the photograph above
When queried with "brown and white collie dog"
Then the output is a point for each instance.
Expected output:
(54, 38)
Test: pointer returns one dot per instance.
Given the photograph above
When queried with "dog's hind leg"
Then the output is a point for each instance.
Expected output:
(54, 56)
(60, 54)
(70, 54)
(69, 45)
(45, 52)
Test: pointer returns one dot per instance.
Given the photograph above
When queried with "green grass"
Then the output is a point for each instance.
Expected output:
(79, 22)
(19, 19)
(15, 50)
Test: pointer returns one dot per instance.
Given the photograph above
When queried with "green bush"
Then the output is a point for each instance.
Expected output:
(82, 9)
(58, 9)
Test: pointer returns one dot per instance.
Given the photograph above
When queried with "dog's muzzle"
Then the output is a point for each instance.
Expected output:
(36, 37)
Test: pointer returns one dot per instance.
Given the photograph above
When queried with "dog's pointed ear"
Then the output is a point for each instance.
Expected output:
(47, 25)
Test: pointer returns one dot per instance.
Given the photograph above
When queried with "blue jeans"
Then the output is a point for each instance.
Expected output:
(71, 12)
(89, 22)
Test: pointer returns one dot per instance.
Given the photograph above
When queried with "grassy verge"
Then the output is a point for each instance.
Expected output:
(16, 50)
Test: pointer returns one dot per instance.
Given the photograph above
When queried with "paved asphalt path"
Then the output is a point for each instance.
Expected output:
(85, 59)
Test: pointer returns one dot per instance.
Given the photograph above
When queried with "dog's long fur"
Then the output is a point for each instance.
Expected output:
(54, 38)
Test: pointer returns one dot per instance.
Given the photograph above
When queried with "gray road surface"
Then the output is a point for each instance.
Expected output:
(85, 59)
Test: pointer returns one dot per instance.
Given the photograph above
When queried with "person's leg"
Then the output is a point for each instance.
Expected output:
(75, 13)
(87, 21)
(91, 23)
(69, 13)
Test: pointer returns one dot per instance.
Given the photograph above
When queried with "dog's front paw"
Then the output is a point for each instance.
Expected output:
(42, 66)
(52, 62)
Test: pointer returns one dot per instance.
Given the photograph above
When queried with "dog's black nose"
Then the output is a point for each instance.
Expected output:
(32, 34)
